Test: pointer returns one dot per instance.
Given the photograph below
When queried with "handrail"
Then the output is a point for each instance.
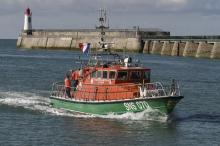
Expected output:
(123, 91)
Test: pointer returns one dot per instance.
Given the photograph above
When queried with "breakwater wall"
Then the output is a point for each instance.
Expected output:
(121, 39)
(129, 40)
(186, 46)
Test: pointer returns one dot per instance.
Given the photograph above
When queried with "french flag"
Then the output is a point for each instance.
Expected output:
(84, 47)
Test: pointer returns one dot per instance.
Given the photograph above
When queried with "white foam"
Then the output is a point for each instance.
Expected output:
(34, 102)
(146, 115)
(23, 99)
(41, 104)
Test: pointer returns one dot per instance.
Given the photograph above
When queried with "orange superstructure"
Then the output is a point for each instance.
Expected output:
(110, 82)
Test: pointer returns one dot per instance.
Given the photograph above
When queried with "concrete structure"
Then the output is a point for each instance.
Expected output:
(122, 39)
(204, 50)
(167, 48)
(156, 47)
(187, 46)
(130, 40)
(190, 49)
(215, 54)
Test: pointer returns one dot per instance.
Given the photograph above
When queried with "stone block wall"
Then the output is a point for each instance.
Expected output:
(199, 49)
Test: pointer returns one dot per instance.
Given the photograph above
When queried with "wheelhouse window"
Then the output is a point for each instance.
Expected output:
(93, 75)
(112, 74)
(147, 75)
(135, 75)
(105, 74)
(99, 74)
(122, 75)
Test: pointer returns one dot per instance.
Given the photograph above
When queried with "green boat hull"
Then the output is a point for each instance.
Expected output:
(164, 105)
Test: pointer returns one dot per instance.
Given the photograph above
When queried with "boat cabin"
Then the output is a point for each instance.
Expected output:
(113, 79)
(116, 75)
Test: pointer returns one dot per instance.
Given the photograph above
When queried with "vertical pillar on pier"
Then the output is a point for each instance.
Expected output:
(178, 48)
(19, 41)
(190, 49)
(147, 47)
(215, 54)
(204, 50)
(157, 47)
(167, 48)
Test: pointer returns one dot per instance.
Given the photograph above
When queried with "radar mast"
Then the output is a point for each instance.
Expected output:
(103, 26)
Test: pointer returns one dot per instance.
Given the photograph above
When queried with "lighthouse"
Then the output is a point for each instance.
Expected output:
(28, 21)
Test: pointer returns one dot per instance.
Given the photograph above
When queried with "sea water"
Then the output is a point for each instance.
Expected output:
(26, 117)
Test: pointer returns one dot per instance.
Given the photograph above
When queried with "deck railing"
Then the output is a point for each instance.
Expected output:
(96, 92)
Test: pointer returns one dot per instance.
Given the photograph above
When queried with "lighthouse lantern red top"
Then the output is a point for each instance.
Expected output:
(27, 11)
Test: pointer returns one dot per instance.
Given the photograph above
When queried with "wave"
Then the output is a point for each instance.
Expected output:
(31, 101)
(198, 117)
(146, 115)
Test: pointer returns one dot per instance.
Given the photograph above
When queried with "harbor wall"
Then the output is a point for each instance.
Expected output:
(120, 39)
(128, 40)
(187, 48)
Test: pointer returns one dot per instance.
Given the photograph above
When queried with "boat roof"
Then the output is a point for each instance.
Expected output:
(121, 68)
(112, 61)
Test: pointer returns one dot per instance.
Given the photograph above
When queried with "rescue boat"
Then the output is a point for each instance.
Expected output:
(115, 87)
(110, 83)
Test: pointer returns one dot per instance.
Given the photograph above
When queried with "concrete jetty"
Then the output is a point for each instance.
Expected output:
(149, 41)
(121, 39)
(187, 46)
(129, 40)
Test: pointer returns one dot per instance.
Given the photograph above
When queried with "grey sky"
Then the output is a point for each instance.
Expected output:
(181, 17)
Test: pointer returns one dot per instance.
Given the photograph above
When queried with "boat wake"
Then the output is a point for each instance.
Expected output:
(146, 115)
(30, 101)
(38, 103)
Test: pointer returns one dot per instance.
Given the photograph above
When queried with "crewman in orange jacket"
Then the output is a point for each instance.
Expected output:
(67, 83)
(75, 77)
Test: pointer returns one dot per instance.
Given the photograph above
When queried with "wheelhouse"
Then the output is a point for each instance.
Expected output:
(117, 75)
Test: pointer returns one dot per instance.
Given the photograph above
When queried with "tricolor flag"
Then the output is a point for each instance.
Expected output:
(84, 47)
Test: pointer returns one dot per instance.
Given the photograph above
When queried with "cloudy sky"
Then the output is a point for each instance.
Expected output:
(180, 17)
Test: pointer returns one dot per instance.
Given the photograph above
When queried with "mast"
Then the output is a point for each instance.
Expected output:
(103, 25)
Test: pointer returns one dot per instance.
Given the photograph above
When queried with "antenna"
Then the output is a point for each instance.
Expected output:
(103, 26)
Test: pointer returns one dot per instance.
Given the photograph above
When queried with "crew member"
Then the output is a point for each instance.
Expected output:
(173, 88)
(67, 83)
(75, 77)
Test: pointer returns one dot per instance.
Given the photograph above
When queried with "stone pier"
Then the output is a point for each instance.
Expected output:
(178, 48)
(204, 50)
(190, 49)
(128, 40)
(157, 47)
(215, 54)
(167, 48)
(147, 47)
(59, 43)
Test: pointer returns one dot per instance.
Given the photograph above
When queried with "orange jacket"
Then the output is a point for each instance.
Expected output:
(75, 75)
(67, 82)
